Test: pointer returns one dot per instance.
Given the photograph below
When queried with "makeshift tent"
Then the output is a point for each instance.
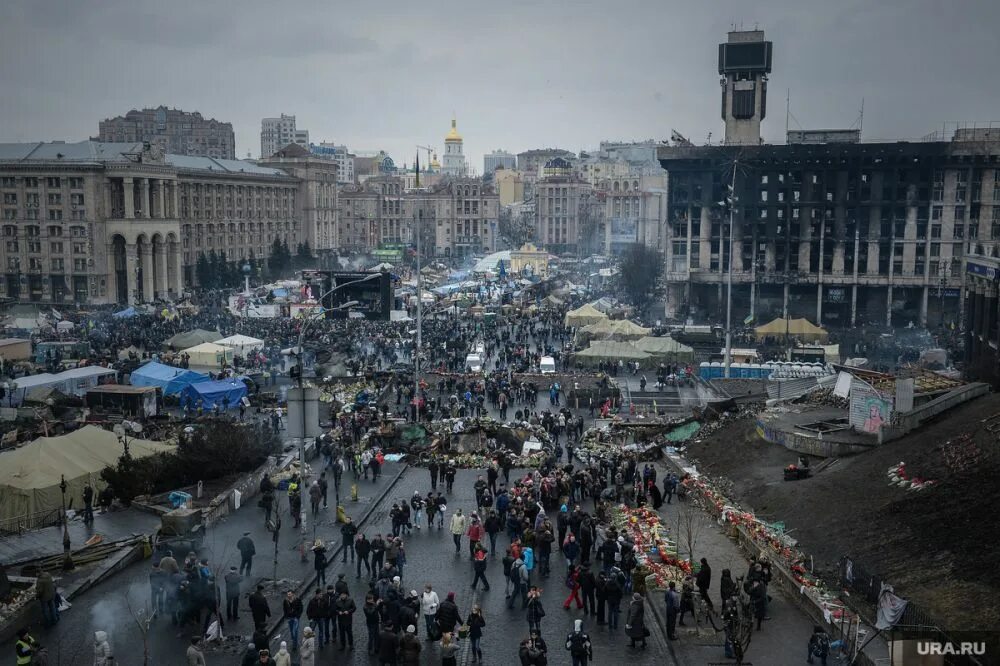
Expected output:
(30, 475)
(192, 338)
(802, 329)
(584, 316)
(384, 266)
(620, 329)
(25, 324)
(64, 326)
(610, 350)
(208, 394)
(551, 301)
(127, 313)
(241, 344)
(209, 355)
(665, 347)
(71, 382)
(170, 379)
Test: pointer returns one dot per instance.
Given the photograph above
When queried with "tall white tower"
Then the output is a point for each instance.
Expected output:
(744, 63)
(453, 162)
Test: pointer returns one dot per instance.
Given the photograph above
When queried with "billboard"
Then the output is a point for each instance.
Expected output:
(369, 292)
(624, 231)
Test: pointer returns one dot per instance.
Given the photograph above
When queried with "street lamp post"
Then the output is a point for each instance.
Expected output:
(67, 553)
(300, 368)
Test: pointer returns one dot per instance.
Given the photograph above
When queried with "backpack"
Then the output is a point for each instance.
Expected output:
(570, 583)
(821, 645)
(515, 573)
(577, 645)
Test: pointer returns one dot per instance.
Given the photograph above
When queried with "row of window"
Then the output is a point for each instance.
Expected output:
(52, 182)
(56, 264)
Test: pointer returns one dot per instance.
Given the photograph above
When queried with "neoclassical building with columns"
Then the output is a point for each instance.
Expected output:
(99, 223)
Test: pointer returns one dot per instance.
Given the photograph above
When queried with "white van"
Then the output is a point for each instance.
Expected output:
(547, 365)
(474, 363)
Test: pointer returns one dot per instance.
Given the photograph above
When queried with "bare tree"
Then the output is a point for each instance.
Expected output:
(690, 527)
(143, 618)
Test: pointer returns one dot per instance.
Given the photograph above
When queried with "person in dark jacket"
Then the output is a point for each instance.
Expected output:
(344, 610)
(233, 580)
(319, 562)
(704, 581)
(259, 608)
(292, 606)
(673, 603)
(727, 586)
(758, 601)
(448, 614)
(588, 587)
(533, 651)
(388, 646)
(247, 550)
(409, 648)
(362, 547)
(348, 531)
(372, 617)
(251, 657)
(534, 611)
(635, 620)
(317, 611)
(476, 622)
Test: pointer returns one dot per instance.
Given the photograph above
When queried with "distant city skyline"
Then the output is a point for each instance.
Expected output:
(391, 77)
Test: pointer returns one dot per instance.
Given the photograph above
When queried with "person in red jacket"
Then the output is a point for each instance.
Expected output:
(475, 532)
(573, 583)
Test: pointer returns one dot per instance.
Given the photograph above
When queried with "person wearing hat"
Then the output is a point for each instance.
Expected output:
(388, 646)
(409, 647)
(25, 647)
(251, 656)
(233, 580)
(247, 550)
(578, 644)
(307, 651)
(195, 657)
(533, 651)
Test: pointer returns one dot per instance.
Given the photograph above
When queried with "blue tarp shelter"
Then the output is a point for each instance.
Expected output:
(127, 313)
(209, 393)
(170, 379)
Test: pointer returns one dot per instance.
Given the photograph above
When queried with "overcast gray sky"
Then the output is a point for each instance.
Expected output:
(518, 74)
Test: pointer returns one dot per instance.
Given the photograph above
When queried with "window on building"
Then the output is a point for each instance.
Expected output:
(31, 183)
(10, 198)
(55, 214)
(53, 182)
(76, 183)
(58, 264)
(55, 248)
(7, 181)
(80, 265)
(959, 231)
(935, 231)
(10, 213)
(936, 212)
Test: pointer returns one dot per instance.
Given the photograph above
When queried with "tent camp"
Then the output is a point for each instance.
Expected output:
(25, 324)
(209, 355)
(803, 329)
(168, 378)
(207, 394)
(30, 475)
(584, 316)
(241, 344)
(666, 348)
(619, 329)
(71, 382)
(610, 350)
(191, 338)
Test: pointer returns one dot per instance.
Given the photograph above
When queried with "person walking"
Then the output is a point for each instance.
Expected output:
(727, 586)
(758, 601)
(457, 529)
(345, 610)
(475, 532)
(429, 603)
(417, 507)
(319, 562)
(573, 583)
(363, 547)
(388, 646)
(372, 611)
(704, 581)
(283, 658)
(578, 645)
(476, 623)
(635, 621)
(292, 607)
(673, 602)
(588, 588)
(88, 504)
(518, 583)
(315, 497)
(233, 580)
(534, 611)
(479, 566)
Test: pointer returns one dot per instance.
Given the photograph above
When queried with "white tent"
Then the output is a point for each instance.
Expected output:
(209, 355)
(241, 344)
(384, 266)
(64, 325)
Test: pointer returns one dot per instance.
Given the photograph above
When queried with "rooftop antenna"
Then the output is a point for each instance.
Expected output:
(788, 108)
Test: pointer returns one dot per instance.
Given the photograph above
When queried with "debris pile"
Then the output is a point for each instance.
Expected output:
(824, 397)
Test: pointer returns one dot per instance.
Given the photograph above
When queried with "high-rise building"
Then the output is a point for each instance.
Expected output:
(123, 223)
(744, 63)
(453, 161)
(276, 133)
(635, 210)
(340, 155)
(498, 158)
(173, 131)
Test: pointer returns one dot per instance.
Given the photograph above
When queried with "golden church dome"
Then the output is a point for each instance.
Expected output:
(453, 135)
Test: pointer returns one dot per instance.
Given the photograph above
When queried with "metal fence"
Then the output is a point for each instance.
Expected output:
(861, 580)
(31, 521)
